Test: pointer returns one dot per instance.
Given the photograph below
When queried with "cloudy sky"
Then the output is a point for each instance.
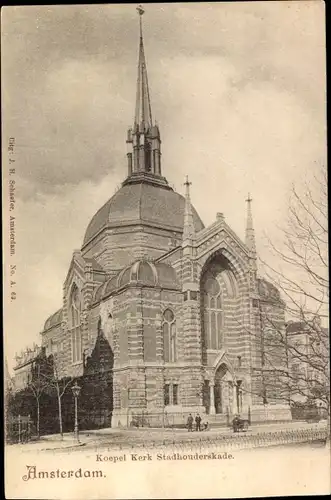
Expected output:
(238, 90)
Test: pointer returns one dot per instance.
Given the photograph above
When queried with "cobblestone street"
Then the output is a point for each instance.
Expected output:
(126, 439)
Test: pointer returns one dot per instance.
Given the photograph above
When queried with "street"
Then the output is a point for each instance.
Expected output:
(118, 439)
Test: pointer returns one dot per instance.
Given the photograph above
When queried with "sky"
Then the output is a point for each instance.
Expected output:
(238, 91)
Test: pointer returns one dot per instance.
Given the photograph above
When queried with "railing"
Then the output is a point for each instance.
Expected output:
(19, 429)
(166, 420)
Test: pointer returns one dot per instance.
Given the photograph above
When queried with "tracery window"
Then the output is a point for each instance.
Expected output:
(169, 337)
(213, 313)
(75, 325)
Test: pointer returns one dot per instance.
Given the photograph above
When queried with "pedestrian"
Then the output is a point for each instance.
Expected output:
(205, 426)
(190, 423)
(198, 423)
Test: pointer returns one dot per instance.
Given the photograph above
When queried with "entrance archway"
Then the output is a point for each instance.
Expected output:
(224, 390)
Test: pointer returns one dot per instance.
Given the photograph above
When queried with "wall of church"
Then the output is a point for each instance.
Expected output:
(119, 247)
(92, 327)
(58, 344)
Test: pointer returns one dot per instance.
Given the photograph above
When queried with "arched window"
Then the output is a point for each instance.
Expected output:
(75, 325)
(148, 157)
(213, 313)
(169, 336)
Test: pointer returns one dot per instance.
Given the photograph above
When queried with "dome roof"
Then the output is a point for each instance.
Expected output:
(142, 203)
(54, 319)
(141, 273)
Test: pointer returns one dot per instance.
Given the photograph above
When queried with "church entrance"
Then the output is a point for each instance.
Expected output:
(224, 391)
(220, 390)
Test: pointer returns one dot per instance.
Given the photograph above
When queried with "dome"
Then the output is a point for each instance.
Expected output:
(142, 203)
(141, 273)
(53, 320)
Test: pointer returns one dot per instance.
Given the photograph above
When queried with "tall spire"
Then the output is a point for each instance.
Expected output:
(143, 115)
(143, 139)
(250, 235)
(188, 231)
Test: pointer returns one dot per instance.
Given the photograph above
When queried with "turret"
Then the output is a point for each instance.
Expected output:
(250, 235)
(188, 230)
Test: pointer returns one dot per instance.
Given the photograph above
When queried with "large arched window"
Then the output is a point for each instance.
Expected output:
(169, 337)
(75, 325)
(213, 313)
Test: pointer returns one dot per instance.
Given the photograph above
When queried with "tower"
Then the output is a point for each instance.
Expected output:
(143, 139)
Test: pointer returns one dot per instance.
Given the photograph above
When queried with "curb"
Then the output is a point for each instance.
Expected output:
(64, 447)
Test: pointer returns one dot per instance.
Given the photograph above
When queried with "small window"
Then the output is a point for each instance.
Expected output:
(175, 394)
(193, 295)
(239, 361)
(166, 394)
(170, 394)
(185, 296)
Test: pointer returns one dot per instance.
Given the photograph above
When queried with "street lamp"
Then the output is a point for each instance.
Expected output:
(76, 390)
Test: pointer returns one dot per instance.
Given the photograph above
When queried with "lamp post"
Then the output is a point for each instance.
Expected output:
(76, 390)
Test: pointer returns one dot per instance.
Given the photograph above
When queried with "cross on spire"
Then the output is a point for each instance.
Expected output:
(187, 183)
(249, 199)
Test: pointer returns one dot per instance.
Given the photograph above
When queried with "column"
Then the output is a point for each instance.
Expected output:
(234, 398)
(212, 410)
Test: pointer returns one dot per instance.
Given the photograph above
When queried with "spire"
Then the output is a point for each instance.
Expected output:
(143, 139)
(188, 232)
(250, 237)
(143, 116)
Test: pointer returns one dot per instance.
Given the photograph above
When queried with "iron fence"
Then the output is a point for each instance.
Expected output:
(20, 429)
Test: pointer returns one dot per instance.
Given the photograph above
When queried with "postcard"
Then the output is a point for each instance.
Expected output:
(165, 250)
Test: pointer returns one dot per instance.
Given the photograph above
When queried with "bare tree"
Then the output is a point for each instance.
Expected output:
(301, 276)
(60, 385)
(37, 385)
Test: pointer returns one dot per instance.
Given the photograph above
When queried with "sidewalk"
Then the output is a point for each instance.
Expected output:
(52, 442)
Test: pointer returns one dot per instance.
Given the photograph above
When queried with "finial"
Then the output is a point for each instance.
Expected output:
(249, 199)
(250, 236)
(141, 12)
(188, 232)
(187, 182)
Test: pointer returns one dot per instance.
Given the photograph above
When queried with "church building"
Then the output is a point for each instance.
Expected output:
(174, 311)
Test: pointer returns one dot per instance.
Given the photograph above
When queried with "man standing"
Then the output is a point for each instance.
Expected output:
(197, 422)
(190, 423)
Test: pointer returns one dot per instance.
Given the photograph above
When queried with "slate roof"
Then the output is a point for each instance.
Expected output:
(54, 319)
(142, 203)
